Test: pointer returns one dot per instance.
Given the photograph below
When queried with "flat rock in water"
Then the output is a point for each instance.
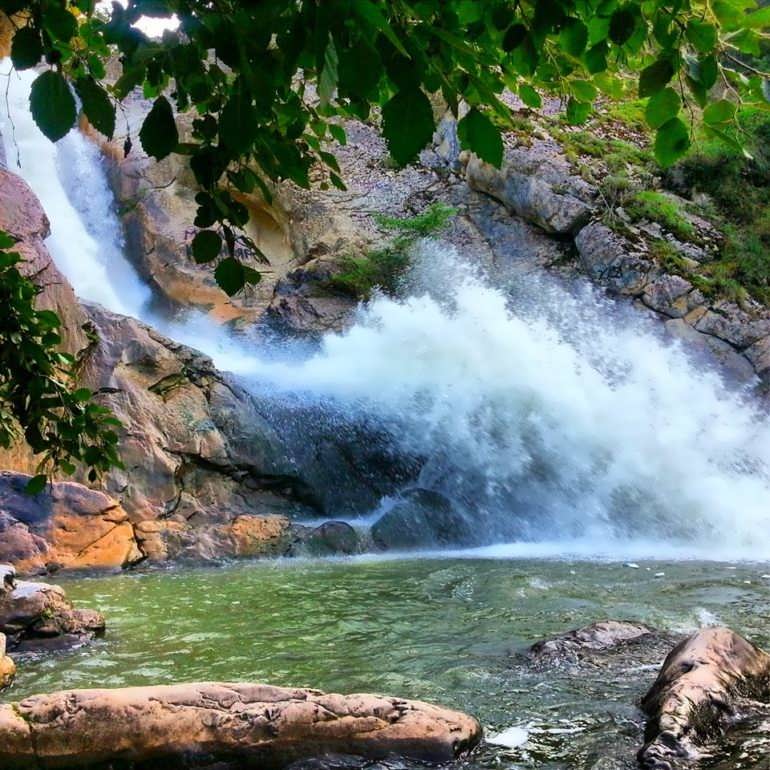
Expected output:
(257, 725)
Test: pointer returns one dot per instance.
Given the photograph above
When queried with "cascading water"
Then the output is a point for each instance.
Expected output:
(542, 414)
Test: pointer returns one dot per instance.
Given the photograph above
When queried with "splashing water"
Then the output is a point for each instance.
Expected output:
(553, 419)
(544, 414)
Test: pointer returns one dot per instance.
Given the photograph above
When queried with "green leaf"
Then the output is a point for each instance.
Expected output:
(230, 276)
(338, 134)
(36, 484)
(702, 35)
(583, 91)
(662, 107)
(59, 22)
(27, 48)
(577, 111)
(82, 394)
(407, 123)
(159, 135)
(206, 246)
(671, 142)
(478, 134)
(622, 25)
(596, 58)
(759, 19)
(573, 37)
(52, 105)
(514, 37)
(327, 80)
(238, 122)
(529, 96)
(721, 111)
(655, 77)
(97, 106)
(372, 15)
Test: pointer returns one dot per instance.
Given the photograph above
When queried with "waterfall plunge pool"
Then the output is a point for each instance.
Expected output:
(439, 629)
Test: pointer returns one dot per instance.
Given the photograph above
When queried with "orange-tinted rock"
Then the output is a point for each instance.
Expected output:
(7, 666)
(699, 693)
(261, 535)
(257, 724)
(67, 525)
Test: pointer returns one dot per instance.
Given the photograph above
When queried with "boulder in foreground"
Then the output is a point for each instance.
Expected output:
(706, 684)
(255, 725)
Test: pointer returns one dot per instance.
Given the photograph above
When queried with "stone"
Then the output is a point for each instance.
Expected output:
(250, 724)
(573, 646)
(422, 518)
(668, 295)
(529, 197)
(39, 615)
(7, 666)
(67, 525)
(330, 539)
(704, 686)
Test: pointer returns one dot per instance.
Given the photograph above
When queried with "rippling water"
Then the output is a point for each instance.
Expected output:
(443, 630)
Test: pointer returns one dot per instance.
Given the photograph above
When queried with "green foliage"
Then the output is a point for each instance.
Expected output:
(36, 396)
(383, 268)
(268, 83)
(661, 208)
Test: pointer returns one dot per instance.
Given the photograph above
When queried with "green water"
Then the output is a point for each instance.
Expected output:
(442, 630)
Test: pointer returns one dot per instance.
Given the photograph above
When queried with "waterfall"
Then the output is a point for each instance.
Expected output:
(543, 413)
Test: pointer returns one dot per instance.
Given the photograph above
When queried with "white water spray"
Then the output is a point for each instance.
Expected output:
(556, 421)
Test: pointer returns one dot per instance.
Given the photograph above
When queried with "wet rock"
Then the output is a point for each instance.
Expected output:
(67, 525)
(706, 684)
(254, 724)
(668, 295)
(331, 538)
(584, 643)
(7, 666)
(422, 518)
(529, 197)
(38, 616)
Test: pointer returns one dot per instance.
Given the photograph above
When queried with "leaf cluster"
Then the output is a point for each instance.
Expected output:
(269, 84)
(38, 400)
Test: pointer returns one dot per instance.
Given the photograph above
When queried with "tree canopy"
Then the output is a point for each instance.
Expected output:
(269, 83)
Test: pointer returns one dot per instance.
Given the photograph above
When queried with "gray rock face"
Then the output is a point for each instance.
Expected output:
(529, 197)
(422, 518)
(331, 538)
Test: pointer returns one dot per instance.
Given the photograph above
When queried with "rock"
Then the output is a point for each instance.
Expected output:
(252, 724)
(67, 525)
(39, 615)
(582, 643)
(612, 259)
(668, 295)
(329, 539)
(703, 688)
(7, 666)
(529, 197)
(422, 518)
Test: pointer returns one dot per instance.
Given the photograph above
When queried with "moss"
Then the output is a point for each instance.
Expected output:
(383, 268)
(669, 257)
(661, 208)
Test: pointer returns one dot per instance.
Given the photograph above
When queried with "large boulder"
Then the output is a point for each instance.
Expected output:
(529, 196)
(253, 725)
(422, 518)
(706, 684)
(67, 525)
(39, 616)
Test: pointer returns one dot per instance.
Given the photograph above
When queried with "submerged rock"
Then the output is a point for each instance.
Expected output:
(252, 724)
(422, 518)
(705, 686)
(583, 644)
(38, 616)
